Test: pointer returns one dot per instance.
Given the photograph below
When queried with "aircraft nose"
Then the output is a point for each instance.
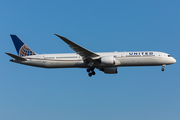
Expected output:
(174, 60)
(171, 60)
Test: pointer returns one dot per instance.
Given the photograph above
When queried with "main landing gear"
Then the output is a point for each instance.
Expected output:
(163, 67)
(90, 71)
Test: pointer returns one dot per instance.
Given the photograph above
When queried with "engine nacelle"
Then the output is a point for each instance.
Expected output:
(109, 60)
(110, 70)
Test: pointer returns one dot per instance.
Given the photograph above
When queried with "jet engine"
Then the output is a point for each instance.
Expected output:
(110, 70)
(109, 60)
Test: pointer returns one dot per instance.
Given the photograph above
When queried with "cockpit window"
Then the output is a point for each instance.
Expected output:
(169, 56)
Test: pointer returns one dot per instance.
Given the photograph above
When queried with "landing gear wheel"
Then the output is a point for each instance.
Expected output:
(90, 74)
(88, 70)
(163, 67)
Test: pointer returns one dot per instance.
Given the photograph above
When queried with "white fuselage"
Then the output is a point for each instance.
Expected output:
(73, 60)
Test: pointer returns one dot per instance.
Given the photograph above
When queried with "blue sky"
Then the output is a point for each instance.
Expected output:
(138, 93)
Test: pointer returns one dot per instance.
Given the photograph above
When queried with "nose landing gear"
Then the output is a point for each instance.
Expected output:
(163, 67)
(90, 71)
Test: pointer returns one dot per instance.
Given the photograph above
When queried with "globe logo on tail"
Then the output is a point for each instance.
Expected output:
(25, 51)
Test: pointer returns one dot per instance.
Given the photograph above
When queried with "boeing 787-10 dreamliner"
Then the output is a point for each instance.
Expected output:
(108, 62)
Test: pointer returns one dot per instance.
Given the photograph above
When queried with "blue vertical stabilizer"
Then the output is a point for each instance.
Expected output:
(21, 48)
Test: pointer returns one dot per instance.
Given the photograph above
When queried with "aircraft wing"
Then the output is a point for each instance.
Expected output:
(78, 49)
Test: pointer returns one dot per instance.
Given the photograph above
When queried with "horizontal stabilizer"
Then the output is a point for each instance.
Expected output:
(16, 57)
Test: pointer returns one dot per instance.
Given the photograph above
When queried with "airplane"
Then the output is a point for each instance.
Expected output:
(108, 62)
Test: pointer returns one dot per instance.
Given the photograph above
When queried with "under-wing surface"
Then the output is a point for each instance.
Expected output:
(108, 62)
